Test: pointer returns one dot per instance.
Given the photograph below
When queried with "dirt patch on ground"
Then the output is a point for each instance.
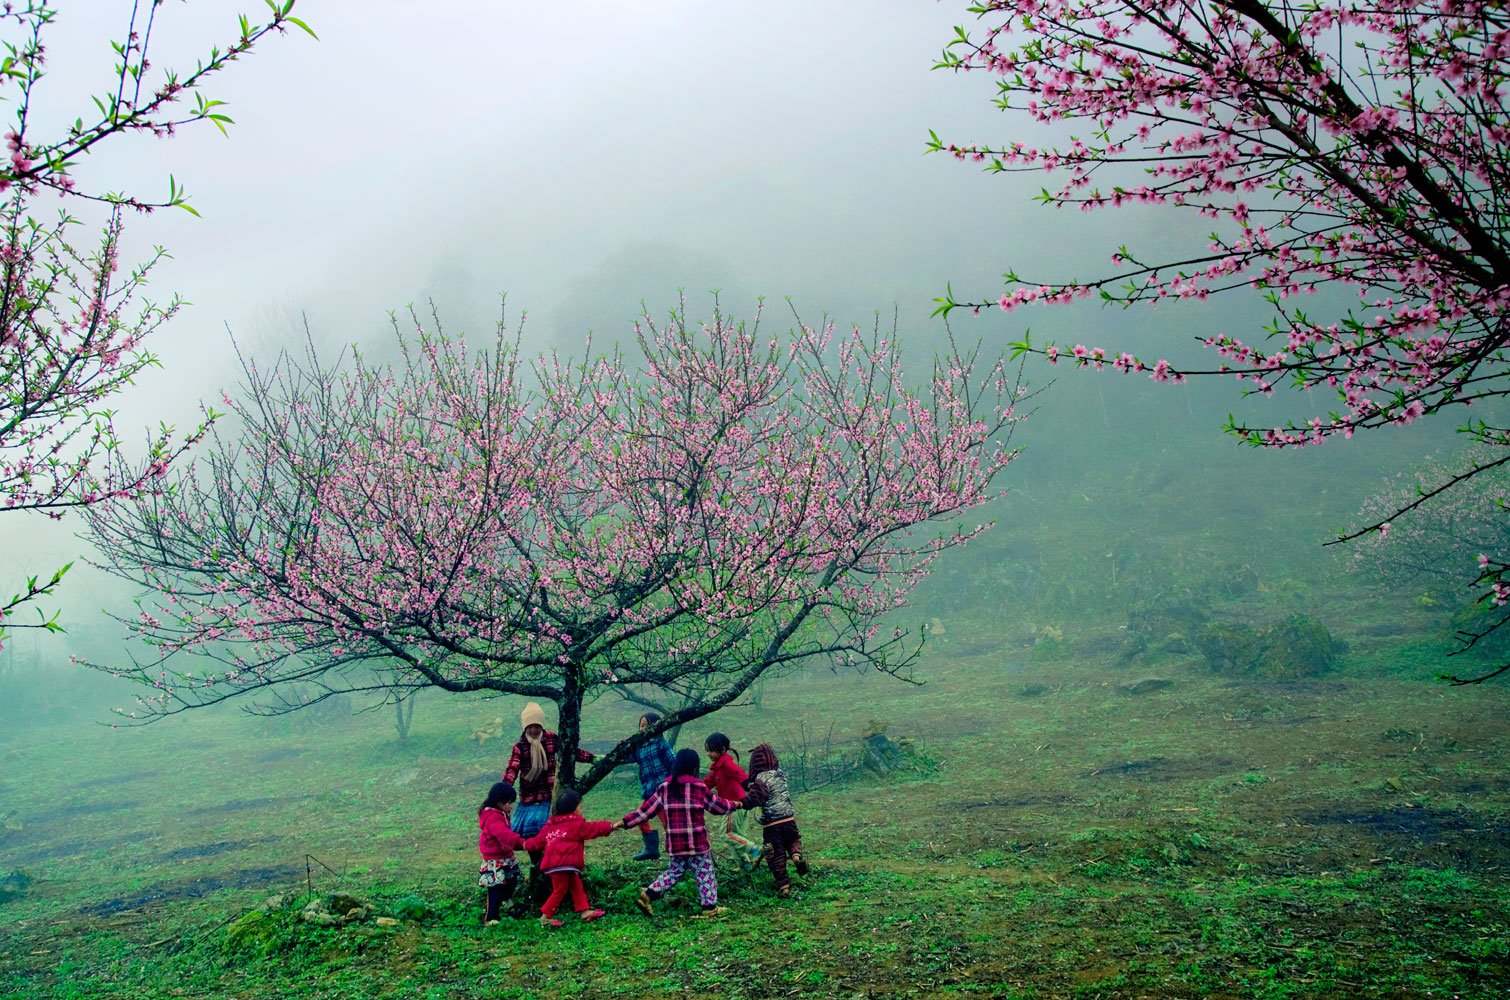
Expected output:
(209, 850)
(72, 848)
(91, 807)
(242, 805)
(116, 779)
(1165, 769)
(164, 892)
(1461, 838)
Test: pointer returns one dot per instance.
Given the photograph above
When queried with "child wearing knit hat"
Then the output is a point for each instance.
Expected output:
(532, 768)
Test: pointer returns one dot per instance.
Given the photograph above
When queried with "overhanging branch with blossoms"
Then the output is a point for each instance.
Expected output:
(1332, 146)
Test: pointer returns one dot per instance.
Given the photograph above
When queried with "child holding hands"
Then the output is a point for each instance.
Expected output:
(778, 818)
(561, 842)
(654, 758)
(682, 800)
(497, 842)
(727, 779)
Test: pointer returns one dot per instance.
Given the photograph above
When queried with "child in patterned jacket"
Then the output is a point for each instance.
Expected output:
(682, 800)
(778, 817)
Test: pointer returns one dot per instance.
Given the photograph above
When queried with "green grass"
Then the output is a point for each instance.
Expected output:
(1215, 839)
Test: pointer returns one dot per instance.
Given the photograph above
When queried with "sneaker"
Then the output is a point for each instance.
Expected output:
(549, 922)
(591, 914)
(643, 901)
(800, 863)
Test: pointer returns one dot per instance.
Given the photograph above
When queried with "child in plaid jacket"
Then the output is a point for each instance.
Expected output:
(682, 800)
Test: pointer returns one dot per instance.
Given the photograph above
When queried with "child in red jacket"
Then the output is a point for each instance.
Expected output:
(561, 840)
(497, 842)
(726, 779)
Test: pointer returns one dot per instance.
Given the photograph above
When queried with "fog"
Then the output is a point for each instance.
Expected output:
(1163, 738)
(593, 160)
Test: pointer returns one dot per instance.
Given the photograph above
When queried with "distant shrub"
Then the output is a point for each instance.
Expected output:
(1439, 542)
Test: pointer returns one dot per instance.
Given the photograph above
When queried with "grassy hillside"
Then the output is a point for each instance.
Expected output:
(1054, 836)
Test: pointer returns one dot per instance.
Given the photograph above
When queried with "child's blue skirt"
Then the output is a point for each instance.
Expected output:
(528, 819)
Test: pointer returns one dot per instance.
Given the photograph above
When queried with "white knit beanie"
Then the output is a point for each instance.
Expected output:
(533, 715)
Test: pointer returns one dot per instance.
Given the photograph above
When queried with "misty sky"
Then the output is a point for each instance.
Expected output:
(581, 157)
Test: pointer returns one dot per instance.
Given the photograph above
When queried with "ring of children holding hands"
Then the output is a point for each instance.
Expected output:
(524, 813)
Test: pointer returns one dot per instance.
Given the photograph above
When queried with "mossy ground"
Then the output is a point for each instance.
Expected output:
(1338, 837)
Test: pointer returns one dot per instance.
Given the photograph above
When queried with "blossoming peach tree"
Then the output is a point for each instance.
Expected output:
(72, 326)
(1361, 147)
(716, 504)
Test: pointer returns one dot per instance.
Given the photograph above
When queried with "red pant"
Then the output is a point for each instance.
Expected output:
(561, 884)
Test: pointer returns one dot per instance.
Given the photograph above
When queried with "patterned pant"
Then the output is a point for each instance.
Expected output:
(701, 866)
(500, 876)
(781, 841)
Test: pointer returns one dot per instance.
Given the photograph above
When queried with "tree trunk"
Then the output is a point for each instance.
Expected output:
(569, 731)
(403, 715)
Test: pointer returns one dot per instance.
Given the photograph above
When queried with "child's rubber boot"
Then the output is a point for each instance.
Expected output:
(652, 847)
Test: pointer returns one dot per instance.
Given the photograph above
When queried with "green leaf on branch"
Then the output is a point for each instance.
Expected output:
(946, 305)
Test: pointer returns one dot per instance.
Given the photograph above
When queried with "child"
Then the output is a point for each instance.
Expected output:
(533, 764)
(654, 757)
(681, 800)
(726, 778)
(778, 818)
(561, 841)
(497, 842)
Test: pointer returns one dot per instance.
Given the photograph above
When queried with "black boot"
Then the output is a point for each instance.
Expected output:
(652, 846)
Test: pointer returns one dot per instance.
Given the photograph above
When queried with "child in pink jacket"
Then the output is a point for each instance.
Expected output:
(497, 842)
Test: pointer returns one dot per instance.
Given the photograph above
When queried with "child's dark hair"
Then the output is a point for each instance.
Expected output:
(501, 794)
(566, 802)
(686, 762)
(650, 718)
(719, 743)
